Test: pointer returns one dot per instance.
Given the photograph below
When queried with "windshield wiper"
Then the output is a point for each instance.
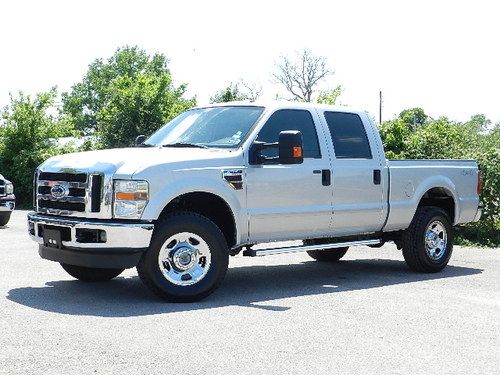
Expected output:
(181, 144)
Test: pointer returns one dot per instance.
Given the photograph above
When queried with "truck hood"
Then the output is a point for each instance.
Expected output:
(125, 162)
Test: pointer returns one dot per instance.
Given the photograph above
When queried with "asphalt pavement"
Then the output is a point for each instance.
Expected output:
(282, 314)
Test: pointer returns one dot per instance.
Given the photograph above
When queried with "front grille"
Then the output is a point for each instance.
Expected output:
(68, 193)
(69, 177)
(64, 206)
(72, 191)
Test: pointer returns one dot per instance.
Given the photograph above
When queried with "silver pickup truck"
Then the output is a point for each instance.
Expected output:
(7, 200)
(217, 180)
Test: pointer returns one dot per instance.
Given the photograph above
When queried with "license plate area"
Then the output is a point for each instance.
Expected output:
(52, 238)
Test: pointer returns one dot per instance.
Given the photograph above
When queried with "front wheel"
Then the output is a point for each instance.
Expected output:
(4, 218)
(428, 241)
(187, 259)
(89, 274)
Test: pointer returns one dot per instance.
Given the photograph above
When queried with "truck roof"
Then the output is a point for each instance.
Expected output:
(284, 104)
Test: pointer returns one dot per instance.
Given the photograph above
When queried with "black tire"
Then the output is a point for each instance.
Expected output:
(155, 276)
(4, 218)
(329, 255)
(88, 274)
(421, 256)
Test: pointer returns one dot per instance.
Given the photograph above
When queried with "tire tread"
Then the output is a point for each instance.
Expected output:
(410, 239)
(88, 274)
(148, 282)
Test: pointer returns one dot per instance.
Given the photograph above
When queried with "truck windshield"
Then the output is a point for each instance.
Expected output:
(220, 127)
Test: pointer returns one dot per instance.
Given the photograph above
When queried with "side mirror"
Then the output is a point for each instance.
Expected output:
(290, 147)
(140, 139)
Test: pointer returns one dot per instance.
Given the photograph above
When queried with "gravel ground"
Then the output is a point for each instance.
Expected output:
(283, 314)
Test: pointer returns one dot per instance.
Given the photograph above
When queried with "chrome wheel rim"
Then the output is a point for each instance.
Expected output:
(184, 258)
(436, 240)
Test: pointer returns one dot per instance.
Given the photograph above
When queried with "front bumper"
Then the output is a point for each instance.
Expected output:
(7, 203)
(90, 243)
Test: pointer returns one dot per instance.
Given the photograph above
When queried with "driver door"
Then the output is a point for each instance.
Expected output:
(291, 201)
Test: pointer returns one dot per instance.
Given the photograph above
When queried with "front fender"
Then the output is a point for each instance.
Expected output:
(204, 181)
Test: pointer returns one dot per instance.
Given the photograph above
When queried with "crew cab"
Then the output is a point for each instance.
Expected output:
(7, 200)
(217, 180)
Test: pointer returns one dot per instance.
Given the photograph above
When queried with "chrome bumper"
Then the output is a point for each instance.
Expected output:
(478, 214)
(7, 203)
(117, 234)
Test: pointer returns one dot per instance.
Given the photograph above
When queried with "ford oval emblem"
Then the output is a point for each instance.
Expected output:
(59, 191)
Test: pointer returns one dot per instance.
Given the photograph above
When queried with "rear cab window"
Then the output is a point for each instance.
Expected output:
(349, 137)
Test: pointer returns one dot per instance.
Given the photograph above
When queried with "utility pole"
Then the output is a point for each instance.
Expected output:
(380, 108)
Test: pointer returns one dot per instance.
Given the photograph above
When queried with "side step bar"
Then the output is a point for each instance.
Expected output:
(297, 249)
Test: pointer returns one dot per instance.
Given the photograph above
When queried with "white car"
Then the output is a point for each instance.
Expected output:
(217, 180)
(7, 200)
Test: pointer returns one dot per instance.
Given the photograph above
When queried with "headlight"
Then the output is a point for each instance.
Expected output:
(131, 198)
(9, 188)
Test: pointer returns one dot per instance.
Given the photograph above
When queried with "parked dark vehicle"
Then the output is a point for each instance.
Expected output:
(7, 200)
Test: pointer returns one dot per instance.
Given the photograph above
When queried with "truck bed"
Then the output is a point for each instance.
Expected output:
(409, 180)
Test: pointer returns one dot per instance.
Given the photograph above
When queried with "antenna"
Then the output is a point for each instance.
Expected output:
(380, 107)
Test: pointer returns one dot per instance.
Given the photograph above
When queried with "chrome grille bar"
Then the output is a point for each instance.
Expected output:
(48, 197)
(71, 185)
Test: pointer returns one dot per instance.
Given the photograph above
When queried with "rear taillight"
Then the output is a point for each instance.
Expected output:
(479, 183)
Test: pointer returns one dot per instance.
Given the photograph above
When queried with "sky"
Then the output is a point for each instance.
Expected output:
(443, 56)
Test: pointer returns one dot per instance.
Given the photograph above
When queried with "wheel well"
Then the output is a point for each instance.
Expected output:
(439, 197)
(209, 205)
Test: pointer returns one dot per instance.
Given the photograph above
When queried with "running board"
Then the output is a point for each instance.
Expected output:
(297, 249)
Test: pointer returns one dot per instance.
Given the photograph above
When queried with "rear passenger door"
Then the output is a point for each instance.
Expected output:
(358, 183)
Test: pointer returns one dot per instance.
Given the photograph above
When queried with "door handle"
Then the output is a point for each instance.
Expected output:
(377, 177)
(326, 177)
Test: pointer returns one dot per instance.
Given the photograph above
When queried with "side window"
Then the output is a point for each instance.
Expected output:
(291, 119)
(348, 136)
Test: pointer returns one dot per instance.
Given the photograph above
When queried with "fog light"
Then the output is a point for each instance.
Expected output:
(84, 235)
(102, 236)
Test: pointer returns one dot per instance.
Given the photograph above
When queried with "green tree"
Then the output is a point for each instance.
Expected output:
(29, 129)
(330, 96)
(131, 93)
(413, 117)
(479, 123)
(235, 92)
(396, 133)
(230, 94)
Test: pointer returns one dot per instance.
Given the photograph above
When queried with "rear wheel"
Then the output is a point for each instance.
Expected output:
(91, 274)
(4, 218)
(428, 241)
(187, 259)
(328, 255)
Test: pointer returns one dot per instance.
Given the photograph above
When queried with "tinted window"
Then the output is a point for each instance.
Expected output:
(291, 119)
(348, 135)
